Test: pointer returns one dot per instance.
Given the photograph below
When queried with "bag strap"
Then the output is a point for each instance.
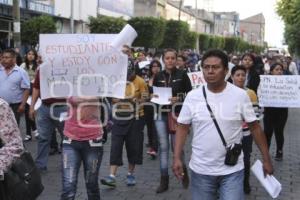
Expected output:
(214, 118)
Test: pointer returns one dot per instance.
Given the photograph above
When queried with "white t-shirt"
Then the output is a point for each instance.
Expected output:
(293, 68)
(230, 107)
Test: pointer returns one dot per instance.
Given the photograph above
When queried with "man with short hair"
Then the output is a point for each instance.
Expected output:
(292, 67)
(217, 111)
(15, 83)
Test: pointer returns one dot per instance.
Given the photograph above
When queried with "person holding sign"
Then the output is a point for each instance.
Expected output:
(180, 83)
(275, 119)
(238, 76)
(128, 124)
(82, 143)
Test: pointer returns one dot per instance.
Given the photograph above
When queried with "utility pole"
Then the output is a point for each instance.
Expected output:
(72, 17)
(180, 7)
(17, 24)
(196, 25)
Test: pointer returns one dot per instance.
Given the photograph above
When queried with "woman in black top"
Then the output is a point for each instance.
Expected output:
(275, 118)
(179, 81)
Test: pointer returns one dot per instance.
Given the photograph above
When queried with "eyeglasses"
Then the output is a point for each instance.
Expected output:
(213, 67)
(6, 57)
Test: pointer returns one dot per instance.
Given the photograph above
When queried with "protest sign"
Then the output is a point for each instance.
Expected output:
(279, 91)
(197, 79)
(82, 65)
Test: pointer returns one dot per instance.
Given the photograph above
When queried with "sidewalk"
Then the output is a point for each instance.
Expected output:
(147, 175)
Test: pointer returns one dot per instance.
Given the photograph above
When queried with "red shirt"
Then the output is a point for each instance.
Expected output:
(83, 121)
(36, 85)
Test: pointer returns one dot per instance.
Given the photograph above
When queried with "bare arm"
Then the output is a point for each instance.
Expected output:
(260, 140)
(35, 95)
(181, 135)
(24, 100)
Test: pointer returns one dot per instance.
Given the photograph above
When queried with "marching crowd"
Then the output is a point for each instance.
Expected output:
(222, 115)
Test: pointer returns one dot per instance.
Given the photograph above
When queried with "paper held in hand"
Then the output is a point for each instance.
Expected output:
(270, 183)
(163, 95)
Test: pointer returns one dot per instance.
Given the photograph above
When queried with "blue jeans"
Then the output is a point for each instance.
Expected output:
(91, 157)
(230, 187)
(46, 126)
(163, 143)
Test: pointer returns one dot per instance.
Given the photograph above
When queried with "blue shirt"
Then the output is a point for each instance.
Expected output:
(13, 85)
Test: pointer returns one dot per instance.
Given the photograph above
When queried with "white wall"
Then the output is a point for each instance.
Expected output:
(82, 9)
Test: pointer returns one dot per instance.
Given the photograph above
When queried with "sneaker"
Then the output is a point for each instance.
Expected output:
(27, 138)
(279, 156)
(130, 180)
(109, 181)
(36, 133)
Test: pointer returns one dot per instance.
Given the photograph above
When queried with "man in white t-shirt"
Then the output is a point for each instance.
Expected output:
(292, 65)
(230, 106)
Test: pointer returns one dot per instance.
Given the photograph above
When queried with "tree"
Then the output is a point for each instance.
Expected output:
(230, 44)
(190, 40)
(175, 34)
(289, 11)
(31, 29)
(203, 42)
(105, 24)
(150, 31)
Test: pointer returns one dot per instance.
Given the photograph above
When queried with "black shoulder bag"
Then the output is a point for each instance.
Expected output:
(22, 181)
(232, 152)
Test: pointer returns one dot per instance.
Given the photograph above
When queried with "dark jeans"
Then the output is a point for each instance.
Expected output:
(274, 121)
(91, 156)
(151, 129)
(14, 107)
(30, 124)
(247, 149)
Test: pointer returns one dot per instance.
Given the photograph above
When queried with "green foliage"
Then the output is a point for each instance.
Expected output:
(175, 34)
(231, 44)
(31, 29)
(289, 11)
(203, 42)
(150, 31)
(105, 24)
(190, 40)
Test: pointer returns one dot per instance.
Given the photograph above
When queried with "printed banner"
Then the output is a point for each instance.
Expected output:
(279, 91)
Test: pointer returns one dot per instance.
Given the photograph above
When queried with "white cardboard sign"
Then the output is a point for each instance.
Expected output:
(279, 91)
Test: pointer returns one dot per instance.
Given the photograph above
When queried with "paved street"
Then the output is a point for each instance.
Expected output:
(147, 175)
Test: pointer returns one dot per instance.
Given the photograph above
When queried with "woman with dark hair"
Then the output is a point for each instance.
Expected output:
(180, 83)
(252, 77)
(154, 68)
(30, 65)
(275, 118)
(238, 77)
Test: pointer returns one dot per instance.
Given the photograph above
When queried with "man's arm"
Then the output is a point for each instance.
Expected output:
(24, 100)
(261, 142)
(181, 135)
(35, 95)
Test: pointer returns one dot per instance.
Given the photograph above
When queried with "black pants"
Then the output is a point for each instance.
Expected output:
(274, 121)
(30, 124)
(14, 107)
(151, 129)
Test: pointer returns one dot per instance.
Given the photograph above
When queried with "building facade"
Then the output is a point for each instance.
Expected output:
(226, 24)
(253, 29)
